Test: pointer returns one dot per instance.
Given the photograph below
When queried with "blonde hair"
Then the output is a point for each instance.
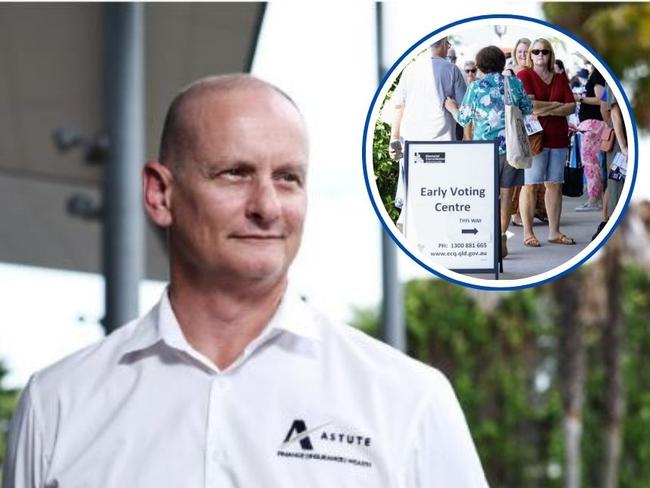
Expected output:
(515, 63)
(547, 45)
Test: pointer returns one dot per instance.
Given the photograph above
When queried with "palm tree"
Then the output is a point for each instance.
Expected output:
(566, 293)
(635, 228)
(599, 307)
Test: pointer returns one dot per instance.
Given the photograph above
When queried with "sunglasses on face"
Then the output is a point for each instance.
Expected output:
(468, 71)
(451, 58)
(544, 52)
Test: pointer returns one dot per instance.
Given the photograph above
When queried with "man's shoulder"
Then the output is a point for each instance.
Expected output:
(417, 65)
(449, 73)
(442, 65)
(86, 365)
(350, 348)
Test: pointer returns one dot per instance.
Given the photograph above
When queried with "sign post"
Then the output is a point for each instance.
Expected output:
(452, 203)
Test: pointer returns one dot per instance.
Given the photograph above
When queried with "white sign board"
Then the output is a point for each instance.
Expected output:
(452, 203)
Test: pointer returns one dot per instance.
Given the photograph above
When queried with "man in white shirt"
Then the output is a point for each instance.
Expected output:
(232, 380)
(419, 104)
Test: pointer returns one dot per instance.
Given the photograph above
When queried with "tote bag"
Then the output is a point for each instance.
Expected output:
(518, 152)
(573, 175)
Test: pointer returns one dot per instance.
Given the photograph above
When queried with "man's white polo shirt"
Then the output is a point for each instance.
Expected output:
(310, 403)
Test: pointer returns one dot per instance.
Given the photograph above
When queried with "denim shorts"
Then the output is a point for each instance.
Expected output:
(509, 177)
(548, 166)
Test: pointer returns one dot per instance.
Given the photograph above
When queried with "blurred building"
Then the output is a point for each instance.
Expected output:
(52, 76)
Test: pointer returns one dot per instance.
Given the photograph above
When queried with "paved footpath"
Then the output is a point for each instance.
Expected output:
(527, 261)
(522, 261)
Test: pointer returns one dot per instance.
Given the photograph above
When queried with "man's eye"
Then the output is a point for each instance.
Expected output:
(290, 178)
(235, 173)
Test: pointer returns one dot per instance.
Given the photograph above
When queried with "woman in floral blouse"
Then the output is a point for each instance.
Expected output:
(483, 106)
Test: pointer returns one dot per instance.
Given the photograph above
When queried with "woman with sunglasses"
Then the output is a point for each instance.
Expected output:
(552, 103)
(471, 71)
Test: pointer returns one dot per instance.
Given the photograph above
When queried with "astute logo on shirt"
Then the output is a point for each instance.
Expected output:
(298, 443)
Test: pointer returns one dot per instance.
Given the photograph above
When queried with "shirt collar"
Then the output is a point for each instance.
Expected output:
(293, 316)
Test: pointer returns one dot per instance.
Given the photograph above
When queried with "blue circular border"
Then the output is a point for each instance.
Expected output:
(465, 21)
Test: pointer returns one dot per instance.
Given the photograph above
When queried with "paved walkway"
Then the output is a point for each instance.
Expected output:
(522, 261)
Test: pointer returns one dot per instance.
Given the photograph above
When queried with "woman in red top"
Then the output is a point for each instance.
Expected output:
(552, 103)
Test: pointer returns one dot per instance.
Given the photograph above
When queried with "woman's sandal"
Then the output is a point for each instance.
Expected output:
(541, 218)
(562, 239)
(531, 241)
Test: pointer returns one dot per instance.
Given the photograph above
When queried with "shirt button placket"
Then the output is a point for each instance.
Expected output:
(216, 458)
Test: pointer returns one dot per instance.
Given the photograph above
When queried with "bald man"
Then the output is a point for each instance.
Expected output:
(231, 380)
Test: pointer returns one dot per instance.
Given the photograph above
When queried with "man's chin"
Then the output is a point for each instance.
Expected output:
(260, 270)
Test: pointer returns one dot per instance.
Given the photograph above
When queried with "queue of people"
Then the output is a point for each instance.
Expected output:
(540, 87)
(537, 90)
(483, 107)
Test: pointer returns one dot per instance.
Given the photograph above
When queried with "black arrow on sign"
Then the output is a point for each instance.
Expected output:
(470, 231)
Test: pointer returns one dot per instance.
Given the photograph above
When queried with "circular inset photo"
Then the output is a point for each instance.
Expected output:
(500, 152)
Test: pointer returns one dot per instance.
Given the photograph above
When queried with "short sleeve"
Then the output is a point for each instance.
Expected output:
(611, 98)
(603, 97)
(444, 454)
(598, 79)
(460, 85)
(465, 114)
(566, 93)
(525, 104)
(527, 81)
(24, 463)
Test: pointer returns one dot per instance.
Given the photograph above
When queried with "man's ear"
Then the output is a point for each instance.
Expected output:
(157, 180)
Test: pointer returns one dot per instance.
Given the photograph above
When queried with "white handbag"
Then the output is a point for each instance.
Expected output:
(518, 153)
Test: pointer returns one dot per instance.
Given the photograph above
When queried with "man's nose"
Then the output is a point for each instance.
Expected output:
(264, 202)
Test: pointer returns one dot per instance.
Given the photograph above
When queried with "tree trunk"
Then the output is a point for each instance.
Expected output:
(612, 342)
(571, 370)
